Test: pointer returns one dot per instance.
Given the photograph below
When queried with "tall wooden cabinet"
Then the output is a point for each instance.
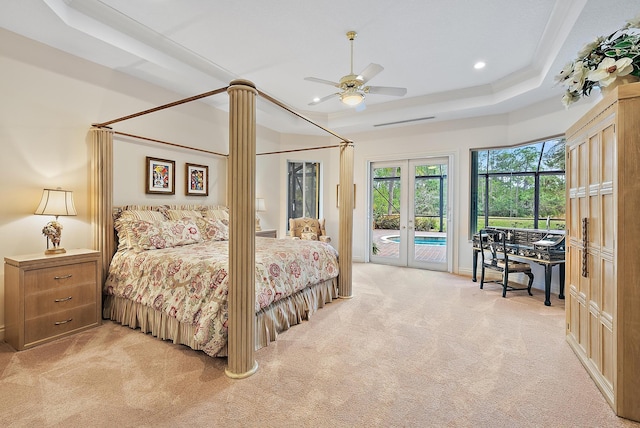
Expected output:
(603, 253)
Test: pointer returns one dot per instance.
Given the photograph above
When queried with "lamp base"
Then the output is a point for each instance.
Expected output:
(57, 250)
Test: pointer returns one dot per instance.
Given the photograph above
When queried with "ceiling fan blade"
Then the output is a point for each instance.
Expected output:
(360, 107)
(386, 90)
(370, 72)
(323, 99)
(326, 82)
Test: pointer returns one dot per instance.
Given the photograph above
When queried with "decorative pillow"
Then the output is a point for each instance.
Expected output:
(311, 236)
(145, 235)
(180, 214)
(146, 215)
(217, 214)
(213, 230)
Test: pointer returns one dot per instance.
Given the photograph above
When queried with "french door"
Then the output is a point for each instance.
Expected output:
(408, 212)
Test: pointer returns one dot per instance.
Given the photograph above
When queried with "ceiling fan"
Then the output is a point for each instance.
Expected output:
(352, 86)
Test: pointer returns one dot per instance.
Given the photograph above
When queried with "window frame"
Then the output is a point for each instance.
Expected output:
(317, 165)
(477, 177)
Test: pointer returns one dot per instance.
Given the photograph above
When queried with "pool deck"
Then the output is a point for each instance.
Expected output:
(427, 253)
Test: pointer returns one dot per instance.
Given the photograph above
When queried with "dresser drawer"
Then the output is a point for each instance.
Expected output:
(59, 276)
(57, 323)
(58, 299)
(50, 296)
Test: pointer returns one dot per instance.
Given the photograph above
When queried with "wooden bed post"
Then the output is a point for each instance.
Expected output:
(345, 242)
(241, 189)
(101, 195)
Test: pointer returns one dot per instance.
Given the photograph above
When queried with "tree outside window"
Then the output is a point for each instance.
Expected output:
(519, 187)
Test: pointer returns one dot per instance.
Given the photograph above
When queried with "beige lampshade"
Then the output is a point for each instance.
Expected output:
(56, 202)
(260, 206)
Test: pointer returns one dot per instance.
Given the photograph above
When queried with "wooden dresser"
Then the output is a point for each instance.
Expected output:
(603, 246)
(48, 297)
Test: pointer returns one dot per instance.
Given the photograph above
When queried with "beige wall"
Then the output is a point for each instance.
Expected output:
(50, 99)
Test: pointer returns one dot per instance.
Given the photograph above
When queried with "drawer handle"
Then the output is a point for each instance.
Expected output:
(63, 277)
(63, 322)
(63, 300)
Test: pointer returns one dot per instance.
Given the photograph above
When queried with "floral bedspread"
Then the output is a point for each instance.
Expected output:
(190, 283)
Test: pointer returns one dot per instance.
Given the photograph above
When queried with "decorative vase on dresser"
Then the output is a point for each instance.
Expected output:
(51, 296)
(603, 252)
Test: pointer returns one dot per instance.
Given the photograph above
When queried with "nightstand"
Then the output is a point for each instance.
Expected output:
(267, 233)
(47, 297)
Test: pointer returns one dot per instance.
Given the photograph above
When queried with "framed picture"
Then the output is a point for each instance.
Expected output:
(161, 176)
(197, 180)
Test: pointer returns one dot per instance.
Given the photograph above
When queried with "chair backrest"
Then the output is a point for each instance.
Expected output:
(298, 226)
(493, 242)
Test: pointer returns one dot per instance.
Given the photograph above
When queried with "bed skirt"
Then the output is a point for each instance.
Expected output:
(270, 321)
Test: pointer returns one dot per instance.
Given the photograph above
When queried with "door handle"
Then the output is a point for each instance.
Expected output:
(585, 244)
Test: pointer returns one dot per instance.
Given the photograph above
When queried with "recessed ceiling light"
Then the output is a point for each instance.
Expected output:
(316, 99)
(478, 65)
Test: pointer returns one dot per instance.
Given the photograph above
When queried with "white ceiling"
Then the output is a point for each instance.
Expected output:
(426, 46)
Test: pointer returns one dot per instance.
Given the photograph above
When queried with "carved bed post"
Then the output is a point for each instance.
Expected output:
(241, 189)
(101, 195)
(345, 242)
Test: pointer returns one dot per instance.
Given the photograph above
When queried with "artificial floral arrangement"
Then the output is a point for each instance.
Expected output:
(53, 232)
(602, 61)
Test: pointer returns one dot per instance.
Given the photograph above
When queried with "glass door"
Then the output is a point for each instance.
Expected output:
(427, 214)
(409, 213)
(388, 231)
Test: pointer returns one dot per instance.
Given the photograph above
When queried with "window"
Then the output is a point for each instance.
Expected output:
(521, 187)
(303, 189)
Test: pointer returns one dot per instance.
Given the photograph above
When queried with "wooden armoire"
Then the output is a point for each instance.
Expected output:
(603, 252)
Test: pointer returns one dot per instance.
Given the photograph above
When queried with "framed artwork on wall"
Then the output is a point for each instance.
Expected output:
(161, 176)
(197, 180)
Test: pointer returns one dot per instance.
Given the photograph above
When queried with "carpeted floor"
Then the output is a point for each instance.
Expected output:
(412, 348)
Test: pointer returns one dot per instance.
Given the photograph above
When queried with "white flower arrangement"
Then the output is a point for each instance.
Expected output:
(602, 61)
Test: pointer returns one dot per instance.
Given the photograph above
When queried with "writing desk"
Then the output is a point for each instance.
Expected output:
(523, 248)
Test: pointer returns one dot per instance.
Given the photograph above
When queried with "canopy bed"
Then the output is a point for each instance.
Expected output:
(241, 263)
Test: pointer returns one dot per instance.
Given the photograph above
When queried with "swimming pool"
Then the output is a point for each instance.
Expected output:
(419, 240)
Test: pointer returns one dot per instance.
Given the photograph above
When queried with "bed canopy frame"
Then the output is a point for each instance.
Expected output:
(241, 162)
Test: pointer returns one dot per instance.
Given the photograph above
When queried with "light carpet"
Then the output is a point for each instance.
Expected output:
(412, 348)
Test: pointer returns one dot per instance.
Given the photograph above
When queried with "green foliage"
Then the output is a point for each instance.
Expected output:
(392, 222)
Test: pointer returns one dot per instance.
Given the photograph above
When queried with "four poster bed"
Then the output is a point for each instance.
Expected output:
(169, 277)
(172, 272)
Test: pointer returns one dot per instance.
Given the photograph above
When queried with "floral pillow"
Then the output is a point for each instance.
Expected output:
(146, 235)
(213, 230)
(180, 214)
(217, 214)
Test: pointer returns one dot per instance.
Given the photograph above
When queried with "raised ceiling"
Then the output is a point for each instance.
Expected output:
(428, 47)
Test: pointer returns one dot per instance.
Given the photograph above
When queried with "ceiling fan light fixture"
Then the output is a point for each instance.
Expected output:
(352, 98)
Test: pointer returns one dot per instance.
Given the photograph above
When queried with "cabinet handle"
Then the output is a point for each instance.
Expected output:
(585, 243)
(63, 277)
(63, 300)
(63, 322)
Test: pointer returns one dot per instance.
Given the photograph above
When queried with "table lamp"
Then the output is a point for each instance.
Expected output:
(55, 202)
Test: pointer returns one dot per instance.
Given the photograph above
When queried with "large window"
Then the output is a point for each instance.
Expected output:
(521, 187)
(304, 189)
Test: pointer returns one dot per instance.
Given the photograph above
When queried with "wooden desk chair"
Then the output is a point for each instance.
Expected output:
(495, 257)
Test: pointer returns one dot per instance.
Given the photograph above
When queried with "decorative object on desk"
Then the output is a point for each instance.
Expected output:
(55, 202)
(604, 63)
(260, 207)
(161, 177)
(197, 180)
